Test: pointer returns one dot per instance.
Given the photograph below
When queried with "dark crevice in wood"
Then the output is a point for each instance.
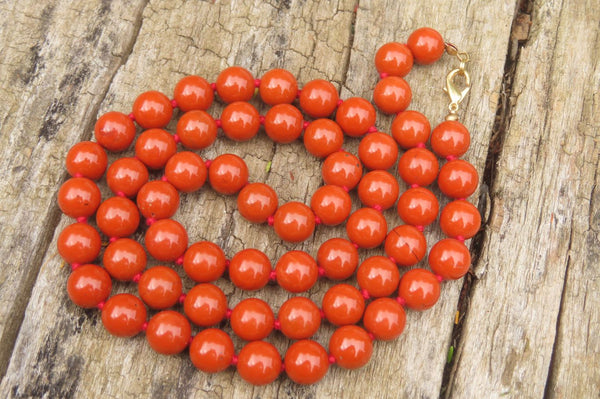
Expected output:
(350, 45)
(518, 38)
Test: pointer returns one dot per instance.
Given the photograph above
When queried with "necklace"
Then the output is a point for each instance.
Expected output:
(205, 305)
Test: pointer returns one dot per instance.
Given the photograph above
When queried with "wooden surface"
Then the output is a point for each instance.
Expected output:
(529, 317)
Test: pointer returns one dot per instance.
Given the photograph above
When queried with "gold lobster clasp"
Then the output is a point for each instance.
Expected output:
(457, 92)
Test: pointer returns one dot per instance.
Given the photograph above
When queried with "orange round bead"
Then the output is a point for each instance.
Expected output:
(235, 84)
(256, 202)
(323, 137)
(342, 169)
(406, 244)
(299, 318)
(385, 318)
(79, 197)
(419, 288)
(127, 176)
(86, 159)
(240, 121)
(394, 59)
(259, 363)
(124, 258)
(426, 45)
(154, 147)
(460, 219)
(227, 174)
(378, 276)
(378, 151)
(418, 166)
(186, 171)
(211, 350)
(392, 95)
(278, 86)
(378, 189)
(449, 258)
(306, 362)
(114, 131)
(338, 257)
(252, 319)
(79, 243)
(355, 116)
(319, 98)
(152, 109)
(166, 240)
(410, 128)
(196, 130)
(367, 228)
(124, 315)
(331, 204)
(351, 347)
(205, 305)
(343, 304)
(158, 200)
(283, 123)
(193, 93)
(249, 269)
(450, 139)
(160, 287)
(418, 206)
(296, 271)
(168, 332)
(458, 179)
(294, 222)
(118, 217)
(204, 262)
(88, 285)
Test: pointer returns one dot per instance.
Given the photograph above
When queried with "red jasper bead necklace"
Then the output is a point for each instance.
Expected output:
(374, 302)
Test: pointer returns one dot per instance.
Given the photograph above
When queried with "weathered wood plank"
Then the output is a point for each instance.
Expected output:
(56, 63)
(542, 237)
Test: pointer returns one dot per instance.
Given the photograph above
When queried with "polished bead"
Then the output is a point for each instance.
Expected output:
(252, 319)
(392, 95)
(79, 197)
(343, 304)
(205, 305)
(196, 130)
(460, 218)
(86, 159)
(299, 318)
(296, 271)
(160, 287)
(378, 151)
(158, 200)
(227, 174)
(204, 262)
(127, 176)
(124, 258)
(79, 243)
(418, 206)
(235, 84)
(366, 227)
(418, 166)
(154, 147)
(406, 244)
(449, 258)
(211, 350)
(342, 169)
(331, 204)
(193, 93)
(394, 59)
(306, 362)
(378, 276)
(319, 98)
(168, 332)
(450, 138)
(166, 240)
(278, 86)
(419, 288)
(118, 217)
(458, 179)
(186, 171)
(378, 189)
(256, 202)
(351, 347)
(410, 128)
(426, 45)
(114, 131)
(249, 269)
(323, 137)
(283, 123)
(124, 315)
(259, 363)
(88, 285)
(294, 222)
(385, 318)
(152, 109)
(338, 257)
(355, 116)
(240, 121)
